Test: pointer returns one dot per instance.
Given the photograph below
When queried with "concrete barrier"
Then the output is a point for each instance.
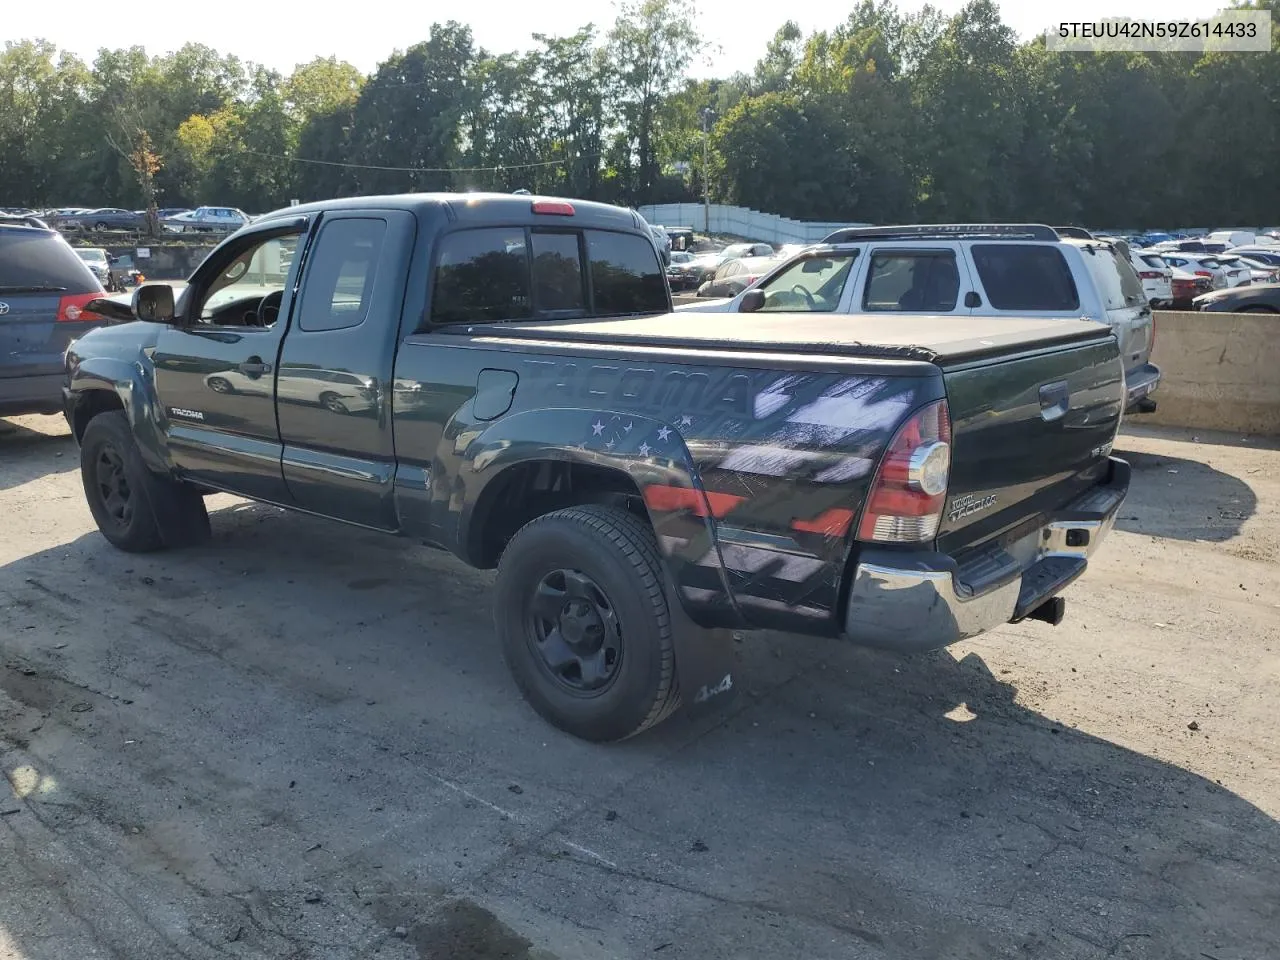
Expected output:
(1221, 372)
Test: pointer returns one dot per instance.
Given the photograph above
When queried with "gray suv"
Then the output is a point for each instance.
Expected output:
(44, 291)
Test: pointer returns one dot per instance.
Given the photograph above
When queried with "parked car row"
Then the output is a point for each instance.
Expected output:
(207, 219)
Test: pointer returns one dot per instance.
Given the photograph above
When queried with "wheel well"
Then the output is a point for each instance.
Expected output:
(526, 491)
(88, 405)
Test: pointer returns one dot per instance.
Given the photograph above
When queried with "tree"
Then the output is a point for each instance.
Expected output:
(650, 45)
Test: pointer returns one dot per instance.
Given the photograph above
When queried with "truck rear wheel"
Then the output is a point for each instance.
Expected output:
(585, 627)
(136, 510)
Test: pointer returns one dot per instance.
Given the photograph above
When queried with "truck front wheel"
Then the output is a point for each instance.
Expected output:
(136, 510)
(584, 623)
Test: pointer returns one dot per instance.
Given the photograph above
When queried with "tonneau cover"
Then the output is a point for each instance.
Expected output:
(944, 339)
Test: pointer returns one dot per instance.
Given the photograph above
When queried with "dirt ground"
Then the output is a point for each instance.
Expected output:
(300, 741)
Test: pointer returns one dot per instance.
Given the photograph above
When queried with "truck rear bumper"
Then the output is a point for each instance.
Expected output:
(1139, 385)
(921, 600)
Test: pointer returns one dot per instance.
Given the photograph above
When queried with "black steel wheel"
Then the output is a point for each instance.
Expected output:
(582, 613)
(113, 485)
(575, 632)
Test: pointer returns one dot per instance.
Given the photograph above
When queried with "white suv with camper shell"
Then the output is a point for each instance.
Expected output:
(990, 270)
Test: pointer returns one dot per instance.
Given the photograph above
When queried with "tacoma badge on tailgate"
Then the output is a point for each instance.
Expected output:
(968, 505)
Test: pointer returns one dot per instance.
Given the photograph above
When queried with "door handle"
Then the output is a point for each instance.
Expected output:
(1055, 400)
(254, 367)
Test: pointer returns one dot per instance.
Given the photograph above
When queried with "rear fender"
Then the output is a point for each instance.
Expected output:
(683, 523)
(136, 394)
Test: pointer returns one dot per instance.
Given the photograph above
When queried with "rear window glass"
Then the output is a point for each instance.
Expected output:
(1130, 282)
(1025, 277)
(557, 273)
(1153, 261)
(626, 276)
(910, 281)
(33, 258)
(482, 276)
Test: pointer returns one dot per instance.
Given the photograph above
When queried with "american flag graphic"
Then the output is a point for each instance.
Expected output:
(633, 436)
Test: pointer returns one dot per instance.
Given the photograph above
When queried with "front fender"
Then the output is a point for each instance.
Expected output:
(648, 451)
(132, 384)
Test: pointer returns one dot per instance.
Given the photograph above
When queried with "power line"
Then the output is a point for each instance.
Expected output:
(372, 166)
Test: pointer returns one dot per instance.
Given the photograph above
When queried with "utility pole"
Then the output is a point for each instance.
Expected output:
(706, 180)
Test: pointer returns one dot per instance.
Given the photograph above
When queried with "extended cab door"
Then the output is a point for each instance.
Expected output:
(334, 382)
(216, 366)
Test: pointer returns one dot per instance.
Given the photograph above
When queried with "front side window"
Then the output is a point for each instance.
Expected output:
(1023, 276)
(813, 284)
(626, 275)
(925, 281)
(482, 276)
(249, 290)
(341, 276)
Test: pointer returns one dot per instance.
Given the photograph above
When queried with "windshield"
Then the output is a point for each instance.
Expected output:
(95, 256)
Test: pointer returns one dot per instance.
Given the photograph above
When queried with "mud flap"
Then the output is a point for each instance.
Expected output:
(705, 662)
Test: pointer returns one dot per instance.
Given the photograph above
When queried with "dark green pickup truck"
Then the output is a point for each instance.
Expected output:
(502, 377)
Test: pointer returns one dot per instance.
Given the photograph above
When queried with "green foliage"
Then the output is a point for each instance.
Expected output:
(887, 117)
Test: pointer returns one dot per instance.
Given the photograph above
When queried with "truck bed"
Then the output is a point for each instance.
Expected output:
(934, 339)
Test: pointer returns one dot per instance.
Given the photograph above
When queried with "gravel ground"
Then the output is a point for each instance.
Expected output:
(300, 741)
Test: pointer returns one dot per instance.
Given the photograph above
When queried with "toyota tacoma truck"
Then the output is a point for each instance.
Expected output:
(503, 377)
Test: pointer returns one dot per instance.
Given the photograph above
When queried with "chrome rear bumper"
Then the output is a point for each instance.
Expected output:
(921, 600)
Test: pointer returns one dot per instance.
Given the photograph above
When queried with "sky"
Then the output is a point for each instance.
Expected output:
(282, 34)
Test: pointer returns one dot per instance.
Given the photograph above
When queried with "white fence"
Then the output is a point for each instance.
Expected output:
(740, 222)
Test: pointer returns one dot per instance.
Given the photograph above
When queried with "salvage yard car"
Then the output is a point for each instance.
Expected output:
(45, 290)
(965, 270)
(644, 485)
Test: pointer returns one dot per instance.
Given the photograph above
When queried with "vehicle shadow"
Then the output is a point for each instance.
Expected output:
(1159, 503)
(845, 804)
(30, 454)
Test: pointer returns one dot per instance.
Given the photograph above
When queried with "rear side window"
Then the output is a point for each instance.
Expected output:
(557, 273)
(342, 274)
(34, 258)
(482, 276)
(626, 276)
(912, 281)
(1021, 276)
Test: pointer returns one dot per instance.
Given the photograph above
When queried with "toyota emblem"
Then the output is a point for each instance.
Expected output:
(4, 308)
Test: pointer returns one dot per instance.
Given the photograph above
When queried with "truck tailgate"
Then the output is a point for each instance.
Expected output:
(1029, 432)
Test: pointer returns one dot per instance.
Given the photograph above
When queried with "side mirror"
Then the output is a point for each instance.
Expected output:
(751, 301)
(153, 302)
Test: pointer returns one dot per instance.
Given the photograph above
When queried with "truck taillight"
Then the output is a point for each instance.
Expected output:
(910, 487)
(71, 308)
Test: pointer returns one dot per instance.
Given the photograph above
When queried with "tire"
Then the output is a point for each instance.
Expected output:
(1256, 310)
(137, 510)
(101, 226)
(616, 554)
(333, 403)
(221, 385)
